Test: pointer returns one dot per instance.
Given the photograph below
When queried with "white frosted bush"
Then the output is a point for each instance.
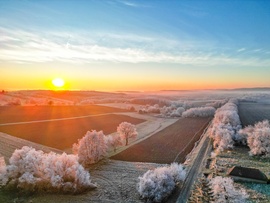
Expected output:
(258, 138)
(91, 148)
(33, 170)
(177, 112)
(150, 109)
(127, 130)
(113, 141)
(199, 112)
(224, 191)
(171, 111)
(156, 185)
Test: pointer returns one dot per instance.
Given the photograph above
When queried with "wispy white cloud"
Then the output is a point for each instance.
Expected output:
(131, 3)
(21, 46)
(241, 50)
(257, 50)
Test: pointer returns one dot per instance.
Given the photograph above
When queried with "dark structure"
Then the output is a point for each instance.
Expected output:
(244, 174)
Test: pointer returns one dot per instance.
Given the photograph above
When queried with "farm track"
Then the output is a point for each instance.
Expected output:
(165, 145)
(193, 172)
(251, 113)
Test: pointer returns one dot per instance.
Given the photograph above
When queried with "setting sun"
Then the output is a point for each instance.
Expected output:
(58, 82)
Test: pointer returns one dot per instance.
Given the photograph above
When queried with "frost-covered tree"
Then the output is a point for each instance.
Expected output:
(156, 185)
(258, 138)
(199, 112)
(113, 141)
(91, 148)
(223, 137)
(225, 126)
(34, 170)
(177, 112)
(224, 191)
(127, 130)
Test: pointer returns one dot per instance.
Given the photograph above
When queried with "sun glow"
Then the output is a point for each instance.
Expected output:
(58, 82)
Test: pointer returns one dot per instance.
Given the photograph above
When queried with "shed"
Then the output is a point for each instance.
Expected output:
(244, 174)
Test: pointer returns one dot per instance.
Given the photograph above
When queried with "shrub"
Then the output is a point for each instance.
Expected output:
(156, 185)
(199, 112)
(224, 191)
(113, 141)
(91, 148)
(258, 138)
(33, 170)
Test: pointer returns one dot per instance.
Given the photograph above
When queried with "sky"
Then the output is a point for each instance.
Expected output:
(142, 45)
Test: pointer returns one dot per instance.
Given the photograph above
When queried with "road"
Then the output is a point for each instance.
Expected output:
(193, 172)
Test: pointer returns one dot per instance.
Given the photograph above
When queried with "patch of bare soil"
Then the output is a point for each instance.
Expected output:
(165, 145)
(251, 113)
(31, 113)
(62, 134)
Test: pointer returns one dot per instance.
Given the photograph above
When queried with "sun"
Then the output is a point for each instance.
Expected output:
(58, 82)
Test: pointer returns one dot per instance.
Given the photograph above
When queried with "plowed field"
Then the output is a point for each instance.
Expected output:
(10, 114)
(251, 113)
(164, 146)
(63, 133)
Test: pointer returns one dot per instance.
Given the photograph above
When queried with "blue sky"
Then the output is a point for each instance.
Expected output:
(140, 45)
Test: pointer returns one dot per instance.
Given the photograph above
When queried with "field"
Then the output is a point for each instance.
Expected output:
(164, 146)
(30, 113)
(9, 143)
(250, 113)
(62, 134)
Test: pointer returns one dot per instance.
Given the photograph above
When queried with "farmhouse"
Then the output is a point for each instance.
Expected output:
(244, 174)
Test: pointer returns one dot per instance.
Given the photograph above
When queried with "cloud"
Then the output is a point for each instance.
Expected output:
(257, 50)
(22, 46)
(131, 4)
(242, 49)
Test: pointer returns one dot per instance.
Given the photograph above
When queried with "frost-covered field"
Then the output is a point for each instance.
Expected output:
(117, 180)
